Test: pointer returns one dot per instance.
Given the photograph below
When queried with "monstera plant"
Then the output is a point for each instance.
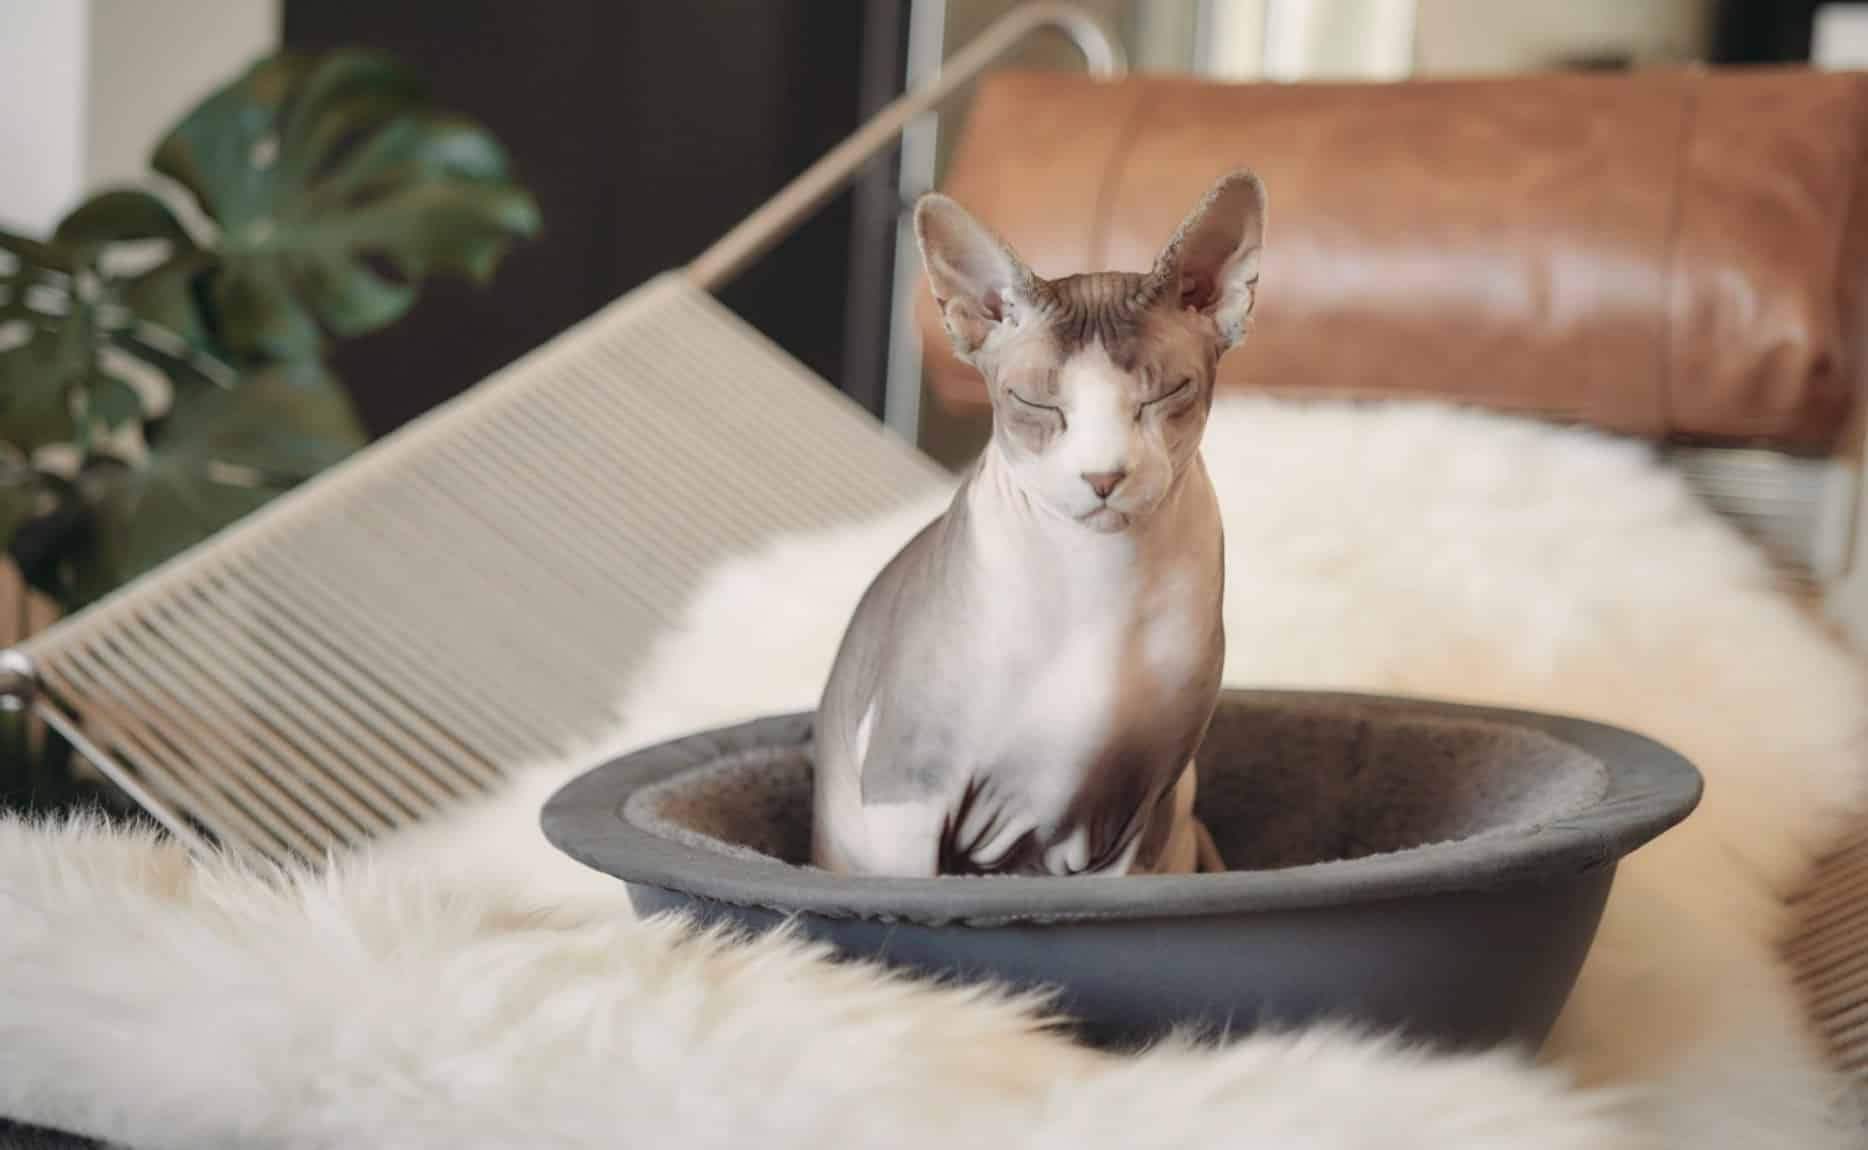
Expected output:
(163, 353)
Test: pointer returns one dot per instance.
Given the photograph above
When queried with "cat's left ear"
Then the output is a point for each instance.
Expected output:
(1212, 261)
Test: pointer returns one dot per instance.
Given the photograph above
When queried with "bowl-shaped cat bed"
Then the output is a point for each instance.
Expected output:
(1411, 865)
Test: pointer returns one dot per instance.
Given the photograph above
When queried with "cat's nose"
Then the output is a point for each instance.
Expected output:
(1104, 482)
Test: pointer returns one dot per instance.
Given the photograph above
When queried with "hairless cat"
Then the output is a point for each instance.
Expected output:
(1022, 688)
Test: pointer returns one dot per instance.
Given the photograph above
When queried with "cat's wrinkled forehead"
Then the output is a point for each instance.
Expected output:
(1106, 308)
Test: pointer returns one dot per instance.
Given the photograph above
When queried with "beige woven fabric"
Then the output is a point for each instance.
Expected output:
(470, 593)
(1829, 954)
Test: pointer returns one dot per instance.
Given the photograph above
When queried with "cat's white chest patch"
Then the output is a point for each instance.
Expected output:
(1048, 654)
(1085, 664)
(1075, 690)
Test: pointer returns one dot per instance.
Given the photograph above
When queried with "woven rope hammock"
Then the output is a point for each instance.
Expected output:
(462, 598)
(465, 596)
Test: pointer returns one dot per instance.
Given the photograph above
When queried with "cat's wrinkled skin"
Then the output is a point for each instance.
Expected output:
(1022, 689)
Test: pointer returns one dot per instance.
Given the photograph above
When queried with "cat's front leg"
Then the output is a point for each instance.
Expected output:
(1211, 861)
(1180, 843)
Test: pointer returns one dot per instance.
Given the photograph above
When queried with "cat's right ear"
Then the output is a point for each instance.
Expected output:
(979, 283)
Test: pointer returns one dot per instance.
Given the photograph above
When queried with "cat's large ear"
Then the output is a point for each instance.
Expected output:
(1211, 264)
(978, 282)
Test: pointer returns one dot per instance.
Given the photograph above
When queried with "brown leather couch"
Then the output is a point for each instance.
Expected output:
(1675, 254)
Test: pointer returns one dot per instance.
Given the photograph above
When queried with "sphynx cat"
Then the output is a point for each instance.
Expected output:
(1023, 687)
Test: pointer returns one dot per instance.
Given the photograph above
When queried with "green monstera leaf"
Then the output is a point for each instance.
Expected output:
(39, 359)
(217, 456)
(118, 216)
(175, 358)
(19, 493)
(67, 330)
(337, 189)
(223, 453)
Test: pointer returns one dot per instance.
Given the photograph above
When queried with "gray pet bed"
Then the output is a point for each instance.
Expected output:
(1415, 865)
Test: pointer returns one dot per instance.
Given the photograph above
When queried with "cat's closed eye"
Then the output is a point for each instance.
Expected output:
(1036, 410)
(1181, 388)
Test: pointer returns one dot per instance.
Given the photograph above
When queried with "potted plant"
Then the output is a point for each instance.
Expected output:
(164, 352)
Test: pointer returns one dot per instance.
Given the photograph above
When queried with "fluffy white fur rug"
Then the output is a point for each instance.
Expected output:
(466, 986)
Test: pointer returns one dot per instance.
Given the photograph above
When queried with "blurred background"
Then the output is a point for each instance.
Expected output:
(647, 129)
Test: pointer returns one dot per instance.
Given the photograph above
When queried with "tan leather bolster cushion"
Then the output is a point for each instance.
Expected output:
(1672, 254)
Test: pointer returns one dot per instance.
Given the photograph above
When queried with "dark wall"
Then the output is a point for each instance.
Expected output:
(646, 130)
(1762, 31)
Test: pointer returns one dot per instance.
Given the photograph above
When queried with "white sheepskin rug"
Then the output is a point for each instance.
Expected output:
(465, 986)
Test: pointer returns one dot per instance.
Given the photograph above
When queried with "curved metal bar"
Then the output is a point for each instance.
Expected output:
(69, 729)
(758, 232)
